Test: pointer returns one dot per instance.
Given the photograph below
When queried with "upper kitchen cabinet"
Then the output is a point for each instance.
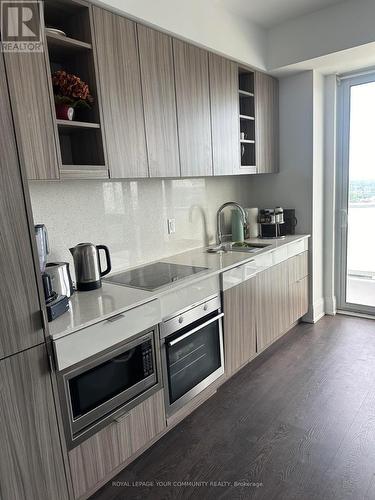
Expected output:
(193, 109)
(31, 105)
(266, 123)
(20, 317)
(74, 89)
(159, 98)
(247, 120)
(120, 84)
(224, 115)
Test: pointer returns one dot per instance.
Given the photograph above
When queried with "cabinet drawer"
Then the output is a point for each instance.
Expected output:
(89, 341)
(93, 460)
(238, 275)
(297, 247)
(263, 261)
(298, 267)
(279, 255)
(181, 298)
(298, 299)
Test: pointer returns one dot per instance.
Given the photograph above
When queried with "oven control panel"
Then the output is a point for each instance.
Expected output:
(188, 316)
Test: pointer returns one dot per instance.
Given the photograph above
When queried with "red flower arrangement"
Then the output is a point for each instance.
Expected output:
(71, 90)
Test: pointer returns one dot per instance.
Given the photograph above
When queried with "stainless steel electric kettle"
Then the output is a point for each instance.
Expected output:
(87, 265)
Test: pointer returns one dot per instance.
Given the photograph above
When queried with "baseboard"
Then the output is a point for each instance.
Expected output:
(316, 312)
(330, 305)
(355, 314)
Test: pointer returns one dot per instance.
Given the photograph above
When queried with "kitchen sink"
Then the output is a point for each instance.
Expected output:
(238, 247)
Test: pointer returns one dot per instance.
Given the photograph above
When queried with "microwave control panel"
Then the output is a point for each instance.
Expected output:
(148, 362)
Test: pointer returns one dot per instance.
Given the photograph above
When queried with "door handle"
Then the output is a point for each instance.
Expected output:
(194, 330)
(344, 218)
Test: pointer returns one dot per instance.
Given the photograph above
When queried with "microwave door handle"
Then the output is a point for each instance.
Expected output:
(125, 356)
(187, 334)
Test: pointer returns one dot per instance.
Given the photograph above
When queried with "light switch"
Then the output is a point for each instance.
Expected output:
(171, 226)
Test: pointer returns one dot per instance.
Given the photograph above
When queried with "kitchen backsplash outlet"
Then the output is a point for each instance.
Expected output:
(129, 216)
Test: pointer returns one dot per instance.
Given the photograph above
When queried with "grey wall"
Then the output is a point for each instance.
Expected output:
(299, 184)
(292, 187)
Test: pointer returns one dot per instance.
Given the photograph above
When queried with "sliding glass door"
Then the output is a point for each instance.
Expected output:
(356, 195)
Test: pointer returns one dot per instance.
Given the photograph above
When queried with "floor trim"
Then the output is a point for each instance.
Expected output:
(356, 314)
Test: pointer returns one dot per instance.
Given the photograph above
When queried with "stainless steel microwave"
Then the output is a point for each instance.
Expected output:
(97, 390)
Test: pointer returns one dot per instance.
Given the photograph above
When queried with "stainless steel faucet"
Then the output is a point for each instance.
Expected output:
(218, 218)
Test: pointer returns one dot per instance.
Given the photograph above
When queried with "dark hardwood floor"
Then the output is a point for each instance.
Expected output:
(298, 422)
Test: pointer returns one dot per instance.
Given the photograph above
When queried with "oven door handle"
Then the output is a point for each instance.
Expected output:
(187, 334)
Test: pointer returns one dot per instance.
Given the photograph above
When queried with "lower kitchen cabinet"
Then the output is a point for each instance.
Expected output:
(273, 316)
(239, 325)
(93, 461)
(299, 302)
(31, 462)
(298, 286)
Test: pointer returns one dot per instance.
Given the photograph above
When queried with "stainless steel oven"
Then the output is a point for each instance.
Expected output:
(98, 389)
(192, 352)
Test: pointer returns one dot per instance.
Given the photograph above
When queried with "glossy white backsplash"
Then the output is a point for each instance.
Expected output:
(130, 217)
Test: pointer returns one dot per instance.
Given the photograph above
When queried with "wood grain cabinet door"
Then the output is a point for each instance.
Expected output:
(224, 115)
(20, 318)
(93, 461)
(33, 113)
(31, 463)
(193, 109)
(121, 95)
(159, 98)
(298, 286)
(273, 316)
(239, 325)
(266, 123)
(299, 299)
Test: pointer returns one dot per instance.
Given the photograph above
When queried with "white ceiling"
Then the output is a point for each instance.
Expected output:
(269, 13)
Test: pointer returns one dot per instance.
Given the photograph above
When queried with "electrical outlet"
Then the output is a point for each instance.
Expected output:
(171, 226)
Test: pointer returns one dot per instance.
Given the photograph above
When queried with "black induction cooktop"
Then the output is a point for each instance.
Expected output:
(154, 276)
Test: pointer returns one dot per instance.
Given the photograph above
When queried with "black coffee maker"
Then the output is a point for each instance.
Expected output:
(56, 304)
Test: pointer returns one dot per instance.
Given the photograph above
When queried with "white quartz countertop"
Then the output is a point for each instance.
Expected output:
(88, 308)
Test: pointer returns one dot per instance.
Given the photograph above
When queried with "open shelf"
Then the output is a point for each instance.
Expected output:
(246, 81)
(81, 146)
(247, 120)
(247, 106)
(71, 124)
(80, 141)
(70, 16)
(80, 64)
(59, 44)
(247, 153)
